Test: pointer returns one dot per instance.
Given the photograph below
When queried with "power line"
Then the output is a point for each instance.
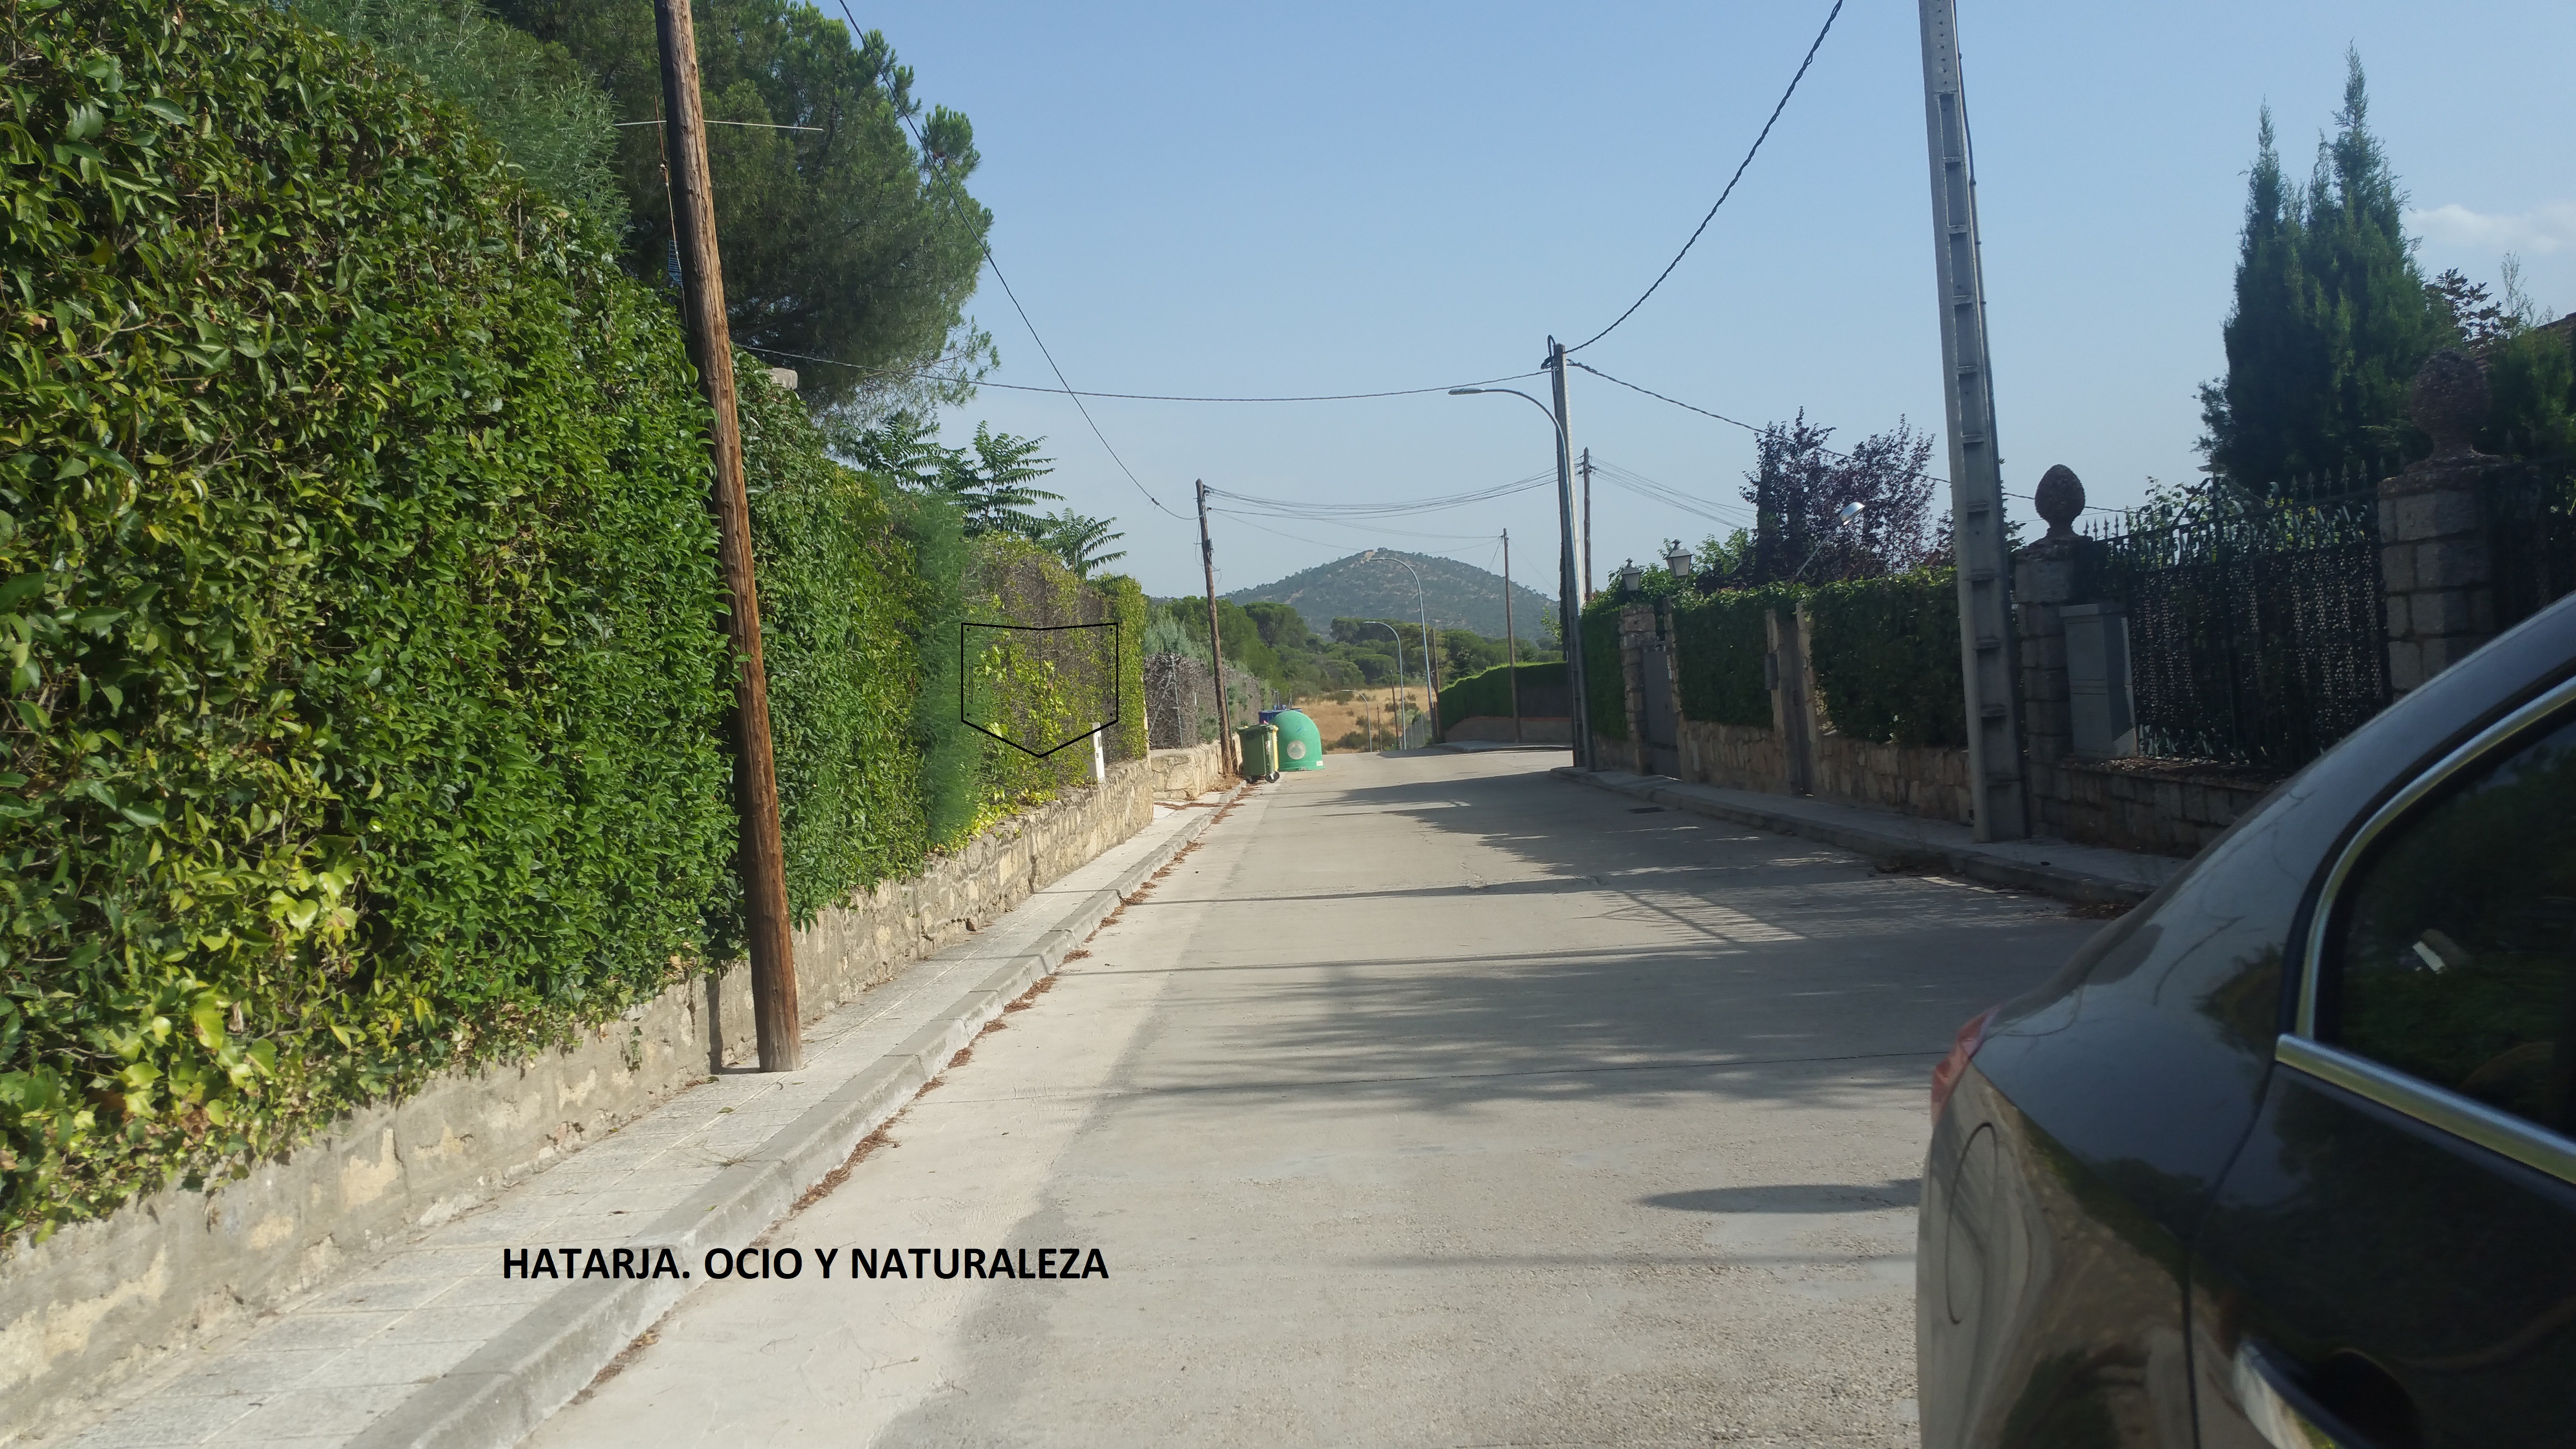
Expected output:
(1301, 508)
(1730, 182)
(1142, 396)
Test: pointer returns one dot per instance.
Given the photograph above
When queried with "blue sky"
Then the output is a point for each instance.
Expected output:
(1347, 198)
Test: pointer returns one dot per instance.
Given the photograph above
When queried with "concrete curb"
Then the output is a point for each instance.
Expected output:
(500, 1394)
(2063, 882)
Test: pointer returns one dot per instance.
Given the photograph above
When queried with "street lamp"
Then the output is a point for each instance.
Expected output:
(1399, 676)
(1569, 600)
(1843, 517)
(1624, 578)
(1430, 685)
(1678, 560)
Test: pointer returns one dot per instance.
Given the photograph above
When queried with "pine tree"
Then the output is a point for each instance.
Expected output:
(2332, 315)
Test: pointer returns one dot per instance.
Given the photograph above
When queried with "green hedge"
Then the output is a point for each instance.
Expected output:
(1886, 656)
(1128, 605)
(363, 714)
(1489, 691)
(1720, 644)
(1605, 682)
(838, 606)
(367, 705)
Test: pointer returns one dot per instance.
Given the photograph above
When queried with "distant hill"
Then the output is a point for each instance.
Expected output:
(1460, 596)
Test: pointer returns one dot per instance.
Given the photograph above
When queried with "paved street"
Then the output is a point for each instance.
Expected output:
(1429, 1101)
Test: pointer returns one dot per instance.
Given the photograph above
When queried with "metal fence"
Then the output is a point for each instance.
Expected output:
(2530, 510)
(2256, 633)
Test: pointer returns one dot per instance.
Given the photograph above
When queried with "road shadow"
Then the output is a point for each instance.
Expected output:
(1453, 941)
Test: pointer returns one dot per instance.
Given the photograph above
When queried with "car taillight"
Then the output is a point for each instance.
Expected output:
(1945, 1077)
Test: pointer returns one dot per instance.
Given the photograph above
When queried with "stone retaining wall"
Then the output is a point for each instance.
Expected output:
(103, 1301)
(1497, 729)
(1924, 780)
(1733, 757)
(1188, 773)
(2142, 804)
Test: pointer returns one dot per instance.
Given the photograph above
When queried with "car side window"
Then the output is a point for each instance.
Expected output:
(2455, 957)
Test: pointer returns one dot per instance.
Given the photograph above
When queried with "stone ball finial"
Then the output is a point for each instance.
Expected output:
(2450, 401)
(2060, 497)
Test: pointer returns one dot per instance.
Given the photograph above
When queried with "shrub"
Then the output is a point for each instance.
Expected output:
(1886, 656)
(837, 605)
(1489, 691)
(365, 705)
(1720, 643)
(1605, 681)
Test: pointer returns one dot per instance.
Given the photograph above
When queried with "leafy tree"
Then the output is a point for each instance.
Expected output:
(533, 98)
(840, 239)
(993, 481)
(1798, 488)
(2332, 315)
(1078, 540)
(2531, 378)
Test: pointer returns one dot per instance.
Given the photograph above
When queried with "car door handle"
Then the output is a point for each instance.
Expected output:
(2287, 1415)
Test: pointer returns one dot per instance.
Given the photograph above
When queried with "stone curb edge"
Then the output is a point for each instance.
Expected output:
(504, 1390)
(2080, 887)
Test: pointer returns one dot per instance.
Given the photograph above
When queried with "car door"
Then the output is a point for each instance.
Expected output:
(2390, 1260)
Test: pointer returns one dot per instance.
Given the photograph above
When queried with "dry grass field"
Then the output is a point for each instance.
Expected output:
(1336, 720)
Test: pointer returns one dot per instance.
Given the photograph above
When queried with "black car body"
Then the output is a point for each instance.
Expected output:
(2283, 1156)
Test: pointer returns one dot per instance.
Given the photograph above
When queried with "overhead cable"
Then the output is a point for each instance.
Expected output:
(1730, 183)
(1304, 508)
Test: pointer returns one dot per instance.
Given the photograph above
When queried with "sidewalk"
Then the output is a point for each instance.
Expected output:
(432, 1346)
(2081, 873)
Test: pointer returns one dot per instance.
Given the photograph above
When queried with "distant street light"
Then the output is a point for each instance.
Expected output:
(1569, 601)
(1430, 675)
(1843, 517)
(1399, 676)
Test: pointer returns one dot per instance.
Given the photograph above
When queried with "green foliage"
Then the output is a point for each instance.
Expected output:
(1489, 691)
(837, 617)
(1029, 687)
(844, 241)
(1720, 642)
(1886, 656)
(2531, 382)
(1083, 543)
(1126, 603)
(2332, 316)
(552, 123)
(1605, 680)
(951, 756)
(365, 708)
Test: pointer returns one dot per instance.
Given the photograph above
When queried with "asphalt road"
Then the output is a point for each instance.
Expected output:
(1429, 1101)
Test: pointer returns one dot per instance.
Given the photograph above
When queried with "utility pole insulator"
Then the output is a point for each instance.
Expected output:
(1987, 657)
(758, 855)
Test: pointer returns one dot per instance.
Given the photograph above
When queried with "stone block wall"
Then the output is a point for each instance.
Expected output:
(1733, 757)
(1187, 773)
(2153, 805)
(1923, 780)
(103, 1300)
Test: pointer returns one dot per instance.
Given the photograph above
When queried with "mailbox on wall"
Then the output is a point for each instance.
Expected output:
(2097, 682)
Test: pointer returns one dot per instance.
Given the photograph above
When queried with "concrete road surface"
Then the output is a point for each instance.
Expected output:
(1430, 1101)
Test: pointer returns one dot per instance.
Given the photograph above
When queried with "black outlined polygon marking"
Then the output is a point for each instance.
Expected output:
(1117, 655)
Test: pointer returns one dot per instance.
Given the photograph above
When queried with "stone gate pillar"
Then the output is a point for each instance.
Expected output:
(2436, 568)
(2049, 575)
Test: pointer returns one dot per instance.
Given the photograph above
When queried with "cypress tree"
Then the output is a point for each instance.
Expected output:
(2332, 316)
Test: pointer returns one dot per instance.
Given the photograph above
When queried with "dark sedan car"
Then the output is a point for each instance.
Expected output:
(2283, 1157)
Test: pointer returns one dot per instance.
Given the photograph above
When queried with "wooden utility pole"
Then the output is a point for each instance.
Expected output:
(1511, 649)
(1216, 646)
(1976, 476)
(757, 854)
